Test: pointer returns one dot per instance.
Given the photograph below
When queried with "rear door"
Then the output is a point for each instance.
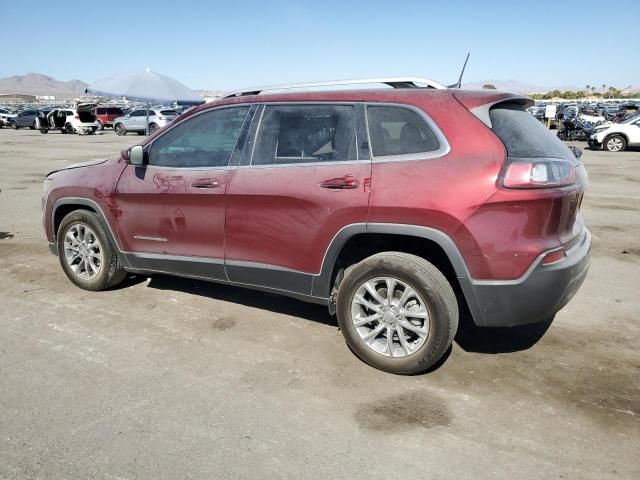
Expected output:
(171, 211)
(304, 177)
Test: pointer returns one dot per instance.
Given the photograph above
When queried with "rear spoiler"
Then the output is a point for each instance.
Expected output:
(480, 102)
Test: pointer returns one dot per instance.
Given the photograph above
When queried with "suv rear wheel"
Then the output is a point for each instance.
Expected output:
(86, 254)
(397, 312)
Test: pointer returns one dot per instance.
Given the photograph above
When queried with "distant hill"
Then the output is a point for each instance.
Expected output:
(39, 84)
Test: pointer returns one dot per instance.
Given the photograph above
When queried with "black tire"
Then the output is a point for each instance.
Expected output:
(429, 283)
(107, 277)
(33, 126)
(69, 128)
(100, 125)
(153, 127)
(62, 130)
(120, 129)
(44, 130)
(615, 143)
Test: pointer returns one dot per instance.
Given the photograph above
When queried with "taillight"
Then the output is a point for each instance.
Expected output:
(538, 173)
(161, 117)
(77, 117)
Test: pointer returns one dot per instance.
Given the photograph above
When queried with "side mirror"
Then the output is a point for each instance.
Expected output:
(136, 155)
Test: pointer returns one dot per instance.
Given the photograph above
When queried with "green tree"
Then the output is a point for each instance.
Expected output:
(489, 86)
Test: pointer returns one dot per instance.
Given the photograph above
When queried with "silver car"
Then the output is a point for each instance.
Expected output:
(136, 121)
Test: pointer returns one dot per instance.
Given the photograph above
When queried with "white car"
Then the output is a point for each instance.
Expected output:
(79, 120)
(5, 117)
(616, 137)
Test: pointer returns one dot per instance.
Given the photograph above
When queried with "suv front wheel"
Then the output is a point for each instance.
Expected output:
(86, 253)
(120, 130)
(615, 143)
(397, 312)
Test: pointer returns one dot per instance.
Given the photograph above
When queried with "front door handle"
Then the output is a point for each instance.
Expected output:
(341, 183)
(205, 183)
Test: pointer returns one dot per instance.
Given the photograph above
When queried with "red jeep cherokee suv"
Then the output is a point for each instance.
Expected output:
(393, 207)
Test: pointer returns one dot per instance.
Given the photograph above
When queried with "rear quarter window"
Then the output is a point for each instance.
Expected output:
(524, 136)
(399, 131)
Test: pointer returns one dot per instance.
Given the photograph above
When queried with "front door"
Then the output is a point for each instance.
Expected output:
(171, 212)
(307, 177)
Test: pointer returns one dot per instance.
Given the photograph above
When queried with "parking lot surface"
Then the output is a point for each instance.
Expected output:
(174, 378)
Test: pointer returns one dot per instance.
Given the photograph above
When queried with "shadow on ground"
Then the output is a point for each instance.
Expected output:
(498, 339)
(469, 337)
(242, 296)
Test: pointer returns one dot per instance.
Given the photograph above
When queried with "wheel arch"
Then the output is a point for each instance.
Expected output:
(429, 243)
(619, 134)
(62, 207)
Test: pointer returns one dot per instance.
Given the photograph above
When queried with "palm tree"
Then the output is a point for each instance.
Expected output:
(604, 85)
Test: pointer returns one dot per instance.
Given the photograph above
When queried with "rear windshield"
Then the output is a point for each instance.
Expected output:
(524, 136)
(168, 112)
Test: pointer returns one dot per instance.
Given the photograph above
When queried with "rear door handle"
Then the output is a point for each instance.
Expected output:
(205, 183)
(341, 183)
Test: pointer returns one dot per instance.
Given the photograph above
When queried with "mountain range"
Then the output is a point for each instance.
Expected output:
(40, 84)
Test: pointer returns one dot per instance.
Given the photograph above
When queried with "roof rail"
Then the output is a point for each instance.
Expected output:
(395, 82)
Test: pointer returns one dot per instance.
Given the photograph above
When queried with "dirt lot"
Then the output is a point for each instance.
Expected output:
(172, 378)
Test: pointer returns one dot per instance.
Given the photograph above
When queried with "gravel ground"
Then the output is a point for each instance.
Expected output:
(173, 378)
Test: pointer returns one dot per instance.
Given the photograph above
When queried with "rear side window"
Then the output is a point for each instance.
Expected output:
(399, 131)
(524, 136)
(169, 112)
(101, 111)
(305, 134)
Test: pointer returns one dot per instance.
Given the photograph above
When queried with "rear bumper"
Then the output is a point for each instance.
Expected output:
(536, 297)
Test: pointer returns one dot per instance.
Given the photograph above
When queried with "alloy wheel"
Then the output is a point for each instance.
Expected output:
(82, 251)
(390, 317)
(614, 144)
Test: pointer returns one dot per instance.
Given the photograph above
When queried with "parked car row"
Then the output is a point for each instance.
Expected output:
(89, 118)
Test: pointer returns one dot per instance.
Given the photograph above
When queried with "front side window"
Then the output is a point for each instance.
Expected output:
(305, 134)
(206, 140)
(140, 113)
(399, 131)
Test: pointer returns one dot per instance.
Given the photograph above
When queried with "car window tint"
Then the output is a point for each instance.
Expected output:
(524, 136)
(168, 112)
(305, 133)
(399, 131)
(206, 140)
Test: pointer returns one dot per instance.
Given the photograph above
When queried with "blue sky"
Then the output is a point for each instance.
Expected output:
(222, 45)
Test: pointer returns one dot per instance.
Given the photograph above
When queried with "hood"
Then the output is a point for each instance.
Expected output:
(91, 163)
